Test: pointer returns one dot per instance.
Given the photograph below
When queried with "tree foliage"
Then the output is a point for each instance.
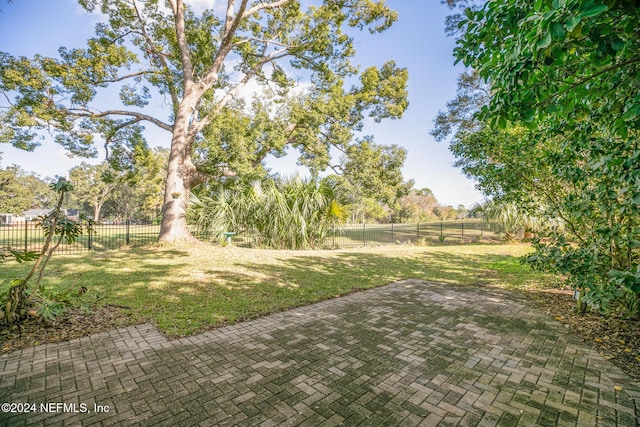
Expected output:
(92, 186)
(375, 171)
(20, 191)
(139, 191)
(200, 64)
(560, 132)
(557, 55)
(7, 252)
(133, 192)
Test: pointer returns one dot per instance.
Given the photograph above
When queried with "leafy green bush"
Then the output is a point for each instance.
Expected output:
(21, 297)
(284, 213)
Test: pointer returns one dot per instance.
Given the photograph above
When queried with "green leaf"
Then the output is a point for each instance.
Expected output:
(592, 10)
(572, 23)
(631, 113)
(529, 115)
(502, 122)
(617, 44)
(557, 31)
(544, 42)
(636, 198)
(532, 125)
(537, 6)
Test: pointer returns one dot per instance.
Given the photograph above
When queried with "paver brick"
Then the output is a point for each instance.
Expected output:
(410, 353)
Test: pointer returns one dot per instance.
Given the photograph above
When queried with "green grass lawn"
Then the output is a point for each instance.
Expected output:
(185, 289)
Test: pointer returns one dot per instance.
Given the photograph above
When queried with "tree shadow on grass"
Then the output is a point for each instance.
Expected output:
(312, 278)
(222, 296)
(182, 297)
(365, 270)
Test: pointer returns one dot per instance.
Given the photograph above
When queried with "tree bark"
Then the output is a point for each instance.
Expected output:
(176, 194)
(97, 207)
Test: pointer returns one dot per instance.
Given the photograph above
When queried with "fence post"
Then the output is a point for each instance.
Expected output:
(418, 230)
(89, 240)
(392, 235)
(334, 237)
(462, 233)
(441, 236)
(127, 233)
(364, 241)
(26, 235)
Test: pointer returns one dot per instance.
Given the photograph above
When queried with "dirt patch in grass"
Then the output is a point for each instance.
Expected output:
(75, 323)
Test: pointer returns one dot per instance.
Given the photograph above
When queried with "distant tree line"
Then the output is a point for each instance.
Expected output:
(101, 191)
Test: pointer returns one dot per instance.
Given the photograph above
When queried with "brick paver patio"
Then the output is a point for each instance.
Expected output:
(407, 354)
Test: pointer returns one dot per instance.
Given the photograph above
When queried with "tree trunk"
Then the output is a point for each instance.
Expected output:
(176, 194)
(99, 201)
(96, 211)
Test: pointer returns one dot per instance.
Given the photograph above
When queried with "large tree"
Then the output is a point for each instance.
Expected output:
(561, 125)
(20, 190)
(92, 186)
(138, 191)
(201, 64)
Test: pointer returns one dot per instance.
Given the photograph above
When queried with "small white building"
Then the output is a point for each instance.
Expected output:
(11, 219)
(33, 214)
(6, 219)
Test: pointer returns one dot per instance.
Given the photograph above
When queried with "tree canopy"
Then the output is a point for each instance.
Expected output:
(199, 65)
(20, 191)
(90, 186)
(558, 131)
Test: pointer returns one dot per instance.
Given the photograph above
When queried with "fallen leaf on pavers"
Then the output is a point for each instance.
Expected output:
(617, 387)
(598, 340)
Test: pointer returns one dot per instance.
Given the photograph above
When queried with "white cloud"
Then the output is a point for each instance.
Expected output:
(199, 6)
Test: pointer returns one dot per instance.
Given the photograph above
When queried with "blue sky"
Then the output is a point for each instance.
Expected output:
(417, 42)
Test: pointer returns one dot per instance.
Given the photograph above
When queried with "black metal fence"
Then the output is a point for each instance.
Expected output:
(385, 234)
(359, 235)
(27, 236)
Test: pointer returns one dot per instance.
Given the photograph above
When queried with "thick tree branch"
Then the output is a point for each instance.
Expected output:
(198, 126)
(78, 112)
(231, 5)
(263, 6)
(122, 78)
(230, 27)
(161, 57)
(185, 54)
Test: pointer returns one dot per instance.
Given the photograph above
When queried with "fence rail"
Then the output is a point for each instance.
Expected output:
(27, 236)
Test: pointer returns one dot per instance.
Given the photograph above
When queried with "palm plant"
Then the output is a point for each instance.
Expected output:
(290, 213)
(512, 221)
